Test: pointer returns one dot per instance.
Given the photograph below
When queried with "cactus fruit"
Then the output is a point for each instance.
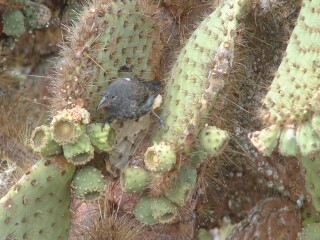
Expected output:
(37, 206)
(288, 145)
(310, 232)
(42, 142)
(197, 76)
(89, 183)
(308, 140)
(79, 153)
(182, 186)
(266, 140)
(102, 137)
(13, 23)
(143, 211)
(68, 125)
(213, 140)
(112, 39)
(293, 98)
(160, 158)
(134, 179)
(163, 210)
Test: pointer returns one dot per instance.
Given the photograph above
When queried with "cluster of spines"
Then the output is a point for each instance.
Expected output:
(29, 15)
(70, 132)
(292, 102)
(112, 39)
(37, 206)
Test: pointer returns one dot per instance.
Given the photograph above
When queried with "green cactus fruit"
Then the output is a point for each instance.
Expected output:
(122, 40)
(42, 142)
(310, 232)
(37, 206)
(213, 140)
(182, 186)
(308, 140)
(163, 210)
(266, 140)
(204, 234)
(315, 123)
(197, 158)
(68, 125)
(288, 145)
(13, 23)
(36, 15)
(102, 137)
(134, 179)
(143, 211)
(160, 157)
(312, 179)
(197, 76)
(89, 184)
(79, 153)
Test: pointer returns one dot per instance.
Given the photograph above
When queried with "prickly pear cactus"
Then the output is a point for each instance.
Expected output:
(112, 39)
(292, 102)
(37, 206)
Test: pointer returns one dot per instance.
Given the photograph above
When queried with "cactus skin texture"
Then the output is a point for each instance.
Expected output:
(102, 137)
(79, 153)
(42, 142)
(212, 140)
(37, 206)
(89, 184)
(143, 211)
(293, 99)
(134, 179)
(197, 75)
(110, 37)
(182, 187)
(310, 232)
(13, 23)
(160, 158)
(29, 16)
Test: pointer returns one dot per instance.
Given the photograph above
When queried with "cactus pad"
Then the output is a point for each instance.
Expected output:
(134, 179)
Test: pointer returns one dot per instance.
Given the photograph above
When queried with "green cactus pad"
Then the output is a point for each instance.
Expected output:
(197, 76)
(134, 179)
(37, 206)
(197, 158)
(312, 179)
(79, 153)
(122, 35)
(288, 145)
(68, 125)
(163, 210)
(310, 232)
(13, 23)
(36, 14)
(88, 183)
(266, 140)
(160, 157)
(308, 140)
(315, 123)
(143, 211)
(213, 140)
(181, 189)
(102, 138)
(42, 142)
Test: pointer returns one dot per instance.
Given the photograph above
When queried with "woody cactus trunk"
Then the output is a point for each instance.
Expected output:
(158, 176)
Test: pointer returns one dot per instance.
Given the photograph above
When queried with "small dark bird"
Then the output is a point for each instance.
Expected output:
(129, 98)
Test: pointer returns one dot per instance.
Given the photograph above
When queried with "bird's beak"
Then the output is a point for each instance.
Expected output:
(103, 103)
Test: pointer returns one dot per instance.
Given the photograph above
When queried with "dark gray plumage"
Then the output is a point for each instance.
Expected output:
(129, 98)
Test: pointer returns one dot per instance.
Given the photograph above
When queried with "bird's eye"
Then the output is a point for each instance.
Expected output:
(113, 96)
